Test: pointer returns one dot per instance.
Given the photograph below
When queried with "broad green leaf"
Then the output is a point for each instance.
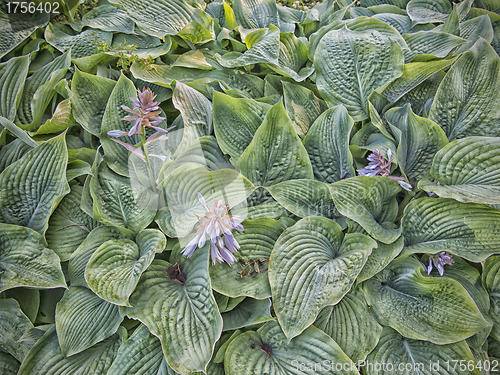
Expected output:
(120, 203)
(399, 295)
(474, 29)
(80, 257)
(413, 75)
(83, 319)
(196, 112)
(419, 140)
(46, 357)
(17, 28)
(254, 14)
(61, 119)
(140, 354)
(425, 45)
(25, 261)
(245, 354)
(235, 122)
(13, 325)
(327, 144)
(371, 202)
(39, 90)
(162, 17)
(467, 170)
(115, 155)
(351, 325)
(180, 192)
(12, 76)
(276, 153)
(31, 205)
(263, 47)
(247, 313)
(350, 65)
(491, 282)
(28, 299)
(419, 357)
(302, 106)
(305, 198)
(90, 96)
(249, 276)
(114, 269)
(69, 225)
(108, 18)
(8, 364)
(12, 152)
(81, 45)
(468, 230)
(313, 265)
(470, 88)
(427, 11)
(195, 33)
(184, 317)
(401, 22)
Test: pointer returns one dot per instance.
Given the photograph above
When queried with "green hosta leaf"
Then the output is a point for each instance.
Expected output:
(108, 18)
(180, 190)
(25, 261)
(427, 11)
(327, 144)
(8, 364)
(350, 65)
(292, 57)
(39, 90)
(12, 76)
(401, 22)
(399, 295)
(61, 119)
(84, 252)
(474, 29)
(90, 96)
(371, 202)
(420, 357)
(13, 325)
(351, 325)
(468, 171)
(31, 205)
(313, 265)
(46, 357)
(305, 198)
(184, 317)
(12, 152)
(195, 32)
(245, 355)
(419, 139)
(115, 155)
(248, 276)
(413, 75)
(491, 282)
(163, 16)
(432, 44)
(253, 14)
(196, 112)
(468, 230)
(470, 88)
(28, 299)
(17, 28)
(69, 225)
(263, 47)
(235, 122)
(302, 106)
(83, 319)
(114, 269)
(81, 45)
(247, 313)
(120, 203)
(276, 153)
(140, 354)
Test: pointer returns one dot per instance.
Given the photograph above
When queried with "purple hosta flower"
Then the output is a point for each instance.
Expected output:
(439, 261)
(215, 224)
(378, 166)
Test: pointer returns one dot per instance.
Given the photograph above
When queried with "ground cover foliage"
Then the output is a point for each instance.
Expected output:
(328, 192)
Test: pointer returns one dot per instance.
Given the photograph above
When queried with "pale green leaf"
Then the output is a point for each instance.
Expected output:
(351, 64)
(114, 269)
(13, 325)
(83, 319)
(12, 76)
(431, 44)
(474, 29)
(433, 309)
(247, 313)
(427, 11)
(491, 282)
(17, 28)
(313, 265)
(253, 14)
(108, 18)
(31, 204)
(468, 230)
